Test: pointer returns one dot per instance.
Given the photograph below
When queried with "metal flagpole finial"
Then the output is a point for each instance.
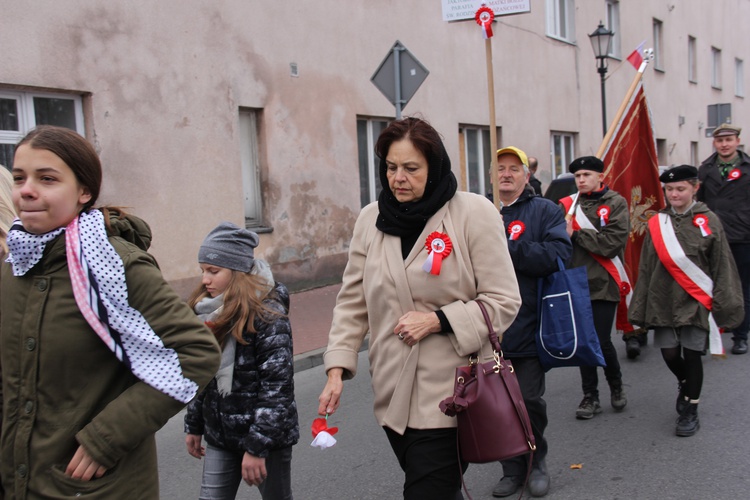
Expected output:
(648, 56)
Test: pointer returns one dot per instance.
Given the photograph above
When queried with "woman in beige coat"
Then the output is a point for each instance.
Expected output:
(419, 306)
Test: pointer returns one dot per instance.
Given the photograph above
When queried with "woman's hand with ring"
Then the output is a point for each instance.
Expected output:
(414, 326)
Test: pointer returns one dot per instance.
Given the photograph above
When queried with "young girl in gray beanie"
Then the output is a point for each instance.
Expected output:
(247, 414)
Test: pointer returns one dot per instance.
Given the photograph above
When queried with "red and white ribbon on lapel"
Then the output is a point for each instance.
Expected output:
(685, 272)
(515, 229)
(701, 222)
(439, 245)
(734, 174)
(603, 213)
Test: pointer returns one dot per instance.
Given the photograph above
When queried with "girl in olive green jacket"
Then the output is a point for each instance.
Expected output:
(97, 352)
(688, 288)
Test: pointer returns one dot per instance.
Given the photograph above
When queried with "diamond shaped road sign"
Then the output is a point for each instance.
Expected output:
(399, 75)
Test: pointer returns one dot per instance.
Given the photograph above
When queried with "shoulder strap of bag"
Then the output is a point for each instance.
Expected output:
(510, 379)
(494, 340)
(513, 388)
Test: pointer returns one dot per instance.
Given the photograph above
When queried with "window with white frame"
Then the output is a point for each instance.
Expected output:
(478, 155)
(368, 131)
(739, 78)
(561, 20)
(692, 60)
(250, 161)
(716, 115)
(562, 149)
(613, 24)
(715, 68)
(22, 111)
(658, 51)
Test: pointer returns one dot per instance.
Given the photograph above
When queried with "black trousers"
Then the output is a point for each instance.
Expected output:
(604, 316)
(741, 253)
(429, 458)
(531, 379)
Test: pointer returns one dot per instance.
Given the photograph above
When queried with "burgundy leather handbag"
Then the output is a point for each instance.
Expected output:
(492, 420)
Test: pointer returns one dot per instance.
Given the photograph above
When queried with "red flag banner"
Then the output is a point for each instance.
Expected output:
(632, 169)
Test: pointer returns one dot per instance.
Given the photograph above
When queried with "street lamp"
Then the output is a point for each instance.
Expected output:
(601, 41)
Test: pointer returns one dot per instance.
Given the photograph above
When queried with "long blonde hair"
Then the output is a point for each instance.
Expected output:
(243, 302)
(7, 211)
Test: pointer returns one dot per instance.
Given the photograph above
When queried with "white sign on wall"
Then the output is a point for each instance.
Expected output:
(459, 10)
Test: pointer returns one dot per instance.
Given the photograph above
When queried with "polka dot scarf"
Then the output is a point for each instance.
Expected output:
(97, 275)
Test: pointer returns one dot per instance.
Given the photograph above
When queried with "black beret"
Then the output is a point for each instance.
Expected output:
(586, 163)
(679, 173)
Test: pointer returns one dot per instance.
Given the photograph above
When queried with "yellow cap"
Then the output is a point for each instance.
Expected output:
(514, 151)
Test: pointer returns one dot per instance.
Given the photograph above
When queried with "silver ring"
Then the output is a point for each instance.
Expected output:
(401, 336)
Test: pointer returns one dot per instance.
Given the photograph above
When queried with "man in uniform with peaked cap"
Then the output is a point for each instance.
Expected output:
(725, 184)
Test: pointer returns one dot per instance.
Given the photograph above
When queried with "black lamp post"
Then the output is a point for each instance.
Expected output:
(601, 41)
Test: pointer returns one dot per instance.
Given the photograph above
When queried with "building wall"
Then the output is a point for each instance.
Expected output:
(163, 83)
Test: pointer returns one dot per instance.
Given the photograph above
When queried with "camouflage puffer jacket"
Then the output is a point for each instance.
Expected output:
(260, 414)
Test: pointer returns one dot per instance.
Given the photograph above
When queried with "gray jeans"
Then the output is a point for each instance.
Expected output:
(222, 474)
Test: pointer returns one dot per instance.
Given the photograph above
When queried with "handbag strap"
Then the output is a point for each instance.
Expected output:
(513, 389)
(494, 340)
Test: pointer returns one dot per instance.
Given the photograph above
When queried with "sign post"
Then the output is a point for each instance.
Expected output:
(484, 12)
(399, 76)
(493, 122)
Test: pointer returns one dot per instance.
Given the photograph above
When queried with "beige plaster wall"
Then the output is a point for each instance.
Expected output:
(164, 82)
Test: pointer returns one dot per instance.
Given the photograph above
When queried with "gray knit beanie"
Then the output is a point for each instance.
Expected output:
(229, 246)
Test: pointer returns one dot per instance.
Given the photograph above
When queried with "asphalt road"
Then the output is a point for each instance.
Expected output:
(629, 455)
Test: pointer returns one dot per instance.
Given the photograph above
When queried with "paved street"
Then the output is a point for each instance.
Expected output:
(630, 455)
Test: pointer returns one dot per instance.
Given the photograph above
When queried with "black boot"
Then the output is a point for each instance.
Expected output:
(632, 347)
(688, 423)
(682, 399)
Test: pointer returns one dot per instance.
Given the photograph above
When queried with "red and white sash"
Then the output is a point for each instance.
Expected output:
(685, 272)
(614, 266)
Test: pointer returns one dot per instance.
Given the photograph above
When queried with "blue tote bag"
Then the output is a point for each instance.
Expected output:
(566, 334)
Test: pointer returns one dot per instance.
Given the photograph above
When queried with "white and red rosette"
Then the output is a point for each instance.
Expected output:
(484, 17)
(322, 434)
(515, 229)
(603, 213)
(734, 174)
(439, 245)
(701, 222)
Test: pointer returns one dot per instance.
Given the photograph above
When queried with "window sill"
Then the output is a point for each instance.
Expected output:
(259, 229)
(560, 39)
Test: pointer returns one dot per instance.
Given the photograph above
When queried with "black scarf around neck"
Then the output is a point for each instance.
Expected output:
(406, 219)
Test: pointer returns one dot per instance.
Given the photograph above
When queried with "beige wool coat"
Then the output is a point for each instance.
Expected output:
(379, 286)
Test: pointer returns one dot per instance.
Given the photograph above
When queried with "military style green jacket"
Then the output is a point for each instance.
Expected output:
(62, 386)
(659, 301)
(608, 241)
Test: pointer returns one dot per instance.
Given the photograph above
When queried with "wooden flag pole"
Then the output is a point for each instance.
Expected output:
(623, 105)
(493, 130)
